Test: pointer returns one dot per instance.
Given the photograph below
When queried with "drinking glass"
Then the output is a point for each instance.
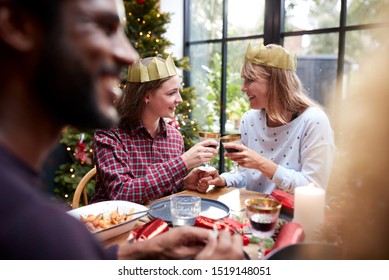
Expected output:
(263, 213)
(209, 135)
(184, 209)
(232, 138)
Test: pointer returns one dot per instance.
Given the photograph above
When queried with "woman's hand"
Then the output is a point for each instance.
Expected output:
(249, 158)
(193, 179)
(213, 178)
(200, 153)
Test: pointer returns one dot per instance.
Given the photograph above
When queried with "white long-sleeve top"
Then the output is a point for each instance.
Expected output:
(303, 149)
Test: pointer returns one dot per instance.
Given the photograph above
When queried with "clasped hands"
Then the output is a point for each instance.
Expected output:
(200, 179)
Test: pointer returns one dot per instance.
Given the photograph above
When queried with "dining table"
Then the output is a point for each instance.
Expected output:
(232, 197)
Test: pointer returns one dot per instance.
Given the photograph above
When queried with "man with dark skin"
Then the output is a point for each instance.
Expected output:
(60, 61)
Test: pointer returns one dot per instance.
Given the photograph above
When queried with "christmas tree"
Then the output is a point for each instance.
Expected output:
(146, 27)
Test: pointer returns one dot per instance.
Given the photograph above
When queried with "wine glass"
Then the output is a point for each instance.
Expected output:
(209, 135)
(263, 213)
(232, 138)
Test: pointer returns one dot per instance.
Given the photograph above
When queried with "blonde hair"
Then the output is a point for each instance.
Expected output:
(286, 92)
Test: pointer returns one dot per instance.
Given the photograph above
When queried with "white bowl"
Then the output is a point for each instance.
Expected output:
(107, 207)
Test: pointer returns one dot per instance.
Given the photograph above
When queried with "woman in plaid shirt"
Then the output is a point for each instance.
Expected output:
(144, 157)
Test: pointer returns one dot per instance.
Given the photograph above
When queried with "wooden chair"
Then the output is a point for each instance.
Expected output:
(81, 190)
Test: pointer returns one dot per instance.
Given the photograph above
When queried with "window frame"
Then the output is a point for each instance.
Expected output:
(273, 33)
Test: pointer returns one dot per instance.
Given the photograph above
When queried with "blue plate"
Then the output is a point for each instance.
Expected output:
(210, 208)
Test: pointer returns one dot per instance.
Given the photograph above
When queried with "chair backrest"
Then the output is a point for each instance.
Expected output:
(81, 190)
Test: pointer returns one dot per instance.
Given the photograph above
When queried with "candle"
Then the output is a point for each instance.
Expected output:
(309, 203)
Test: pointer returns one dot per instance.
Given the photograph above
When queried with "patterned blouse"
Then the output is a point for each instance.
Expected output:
(133, 166)
(303, 149)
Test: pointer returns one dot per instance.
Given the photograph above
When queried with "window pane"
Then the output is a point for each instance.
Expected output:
(311, 14)
(206, 19)
(205, 76)
(362, 11)
(237, 102)
(360, 45)
(245, 18)
(317, 58)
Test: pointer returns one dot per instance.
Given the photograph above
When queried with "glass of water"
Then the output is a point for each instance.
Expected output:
(184, 209)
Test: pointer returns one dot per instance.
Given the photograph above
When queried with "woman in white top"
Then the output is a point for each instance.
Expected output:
(287, 139)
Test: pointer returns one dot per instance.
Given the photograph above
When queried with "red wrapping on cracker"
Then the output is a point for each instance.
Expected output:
(286, 199)
(226, 224)
(148, 231)
(234, 223)
(208, 223)
(290, 233)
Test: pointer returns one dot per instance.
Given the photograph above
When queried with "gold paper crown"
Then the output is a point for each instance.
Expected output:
(150, 69)
(274, 56)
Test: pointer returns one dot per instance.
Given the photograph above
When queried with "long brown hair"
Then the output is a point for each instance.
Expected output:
(286, 92)
(131, 105)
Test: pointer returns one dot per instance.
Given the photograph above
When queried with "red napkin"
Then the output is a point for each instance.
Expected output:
(231, 225)
(148, 231)
(286, 199)
(208, 223)
(290, 233)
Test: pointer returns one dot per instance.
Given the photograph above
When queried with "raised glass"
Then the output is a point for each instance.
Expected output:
(232, 138)
(209, 135)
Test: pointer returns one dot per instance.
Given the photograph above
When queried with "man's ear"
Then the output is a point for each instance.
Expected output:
(16, 28)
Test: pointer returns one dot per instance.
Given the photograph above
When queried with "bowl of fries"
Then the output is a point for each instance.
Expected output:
(108, 219)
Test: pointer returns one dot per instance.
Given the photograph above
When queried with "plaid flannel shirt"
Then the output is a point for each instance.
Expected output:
(133, 166)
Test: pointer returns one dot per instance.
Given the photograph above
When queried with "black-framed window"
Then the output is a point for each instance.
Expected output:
(330, 39)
